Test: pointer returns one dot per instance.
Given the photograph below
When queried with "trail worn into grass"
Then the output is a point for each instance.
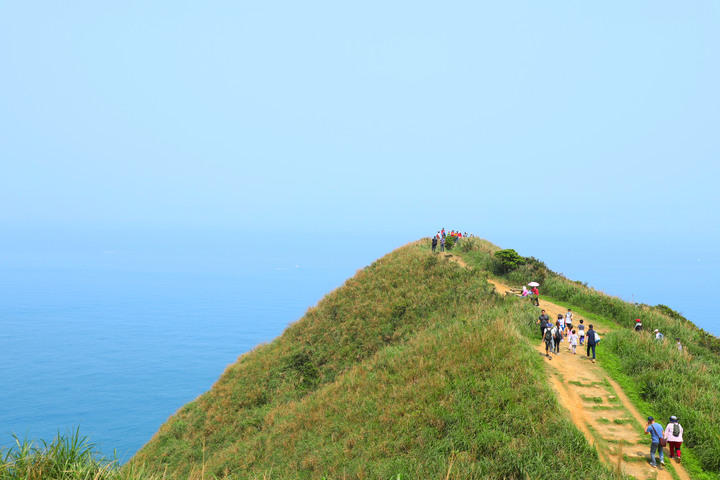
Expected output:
(599, 408)
(596, 404)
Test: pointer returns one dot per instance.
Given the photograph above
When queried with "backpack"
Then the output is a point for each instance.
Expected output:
(676, 430)
(558, 334)
(548, 335)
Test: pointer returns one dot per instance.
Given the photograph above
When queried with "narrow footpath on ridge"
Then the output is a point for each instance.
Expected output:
(599, 407)
(596, 404)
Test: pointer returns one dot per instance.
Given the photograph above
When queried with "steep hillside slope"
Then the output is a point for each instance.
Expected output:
(414, 367)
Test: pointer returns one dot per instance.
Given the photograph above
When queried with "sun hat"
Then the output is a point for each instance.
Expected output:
(637, 320)
(650, 418)
(657, 330)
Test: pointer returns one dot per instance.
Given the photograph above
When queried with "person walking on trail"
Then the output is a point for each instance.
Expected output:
(591, 342)
(659, 336)
(542, 320)
(573, 342)
(674, 436)
(638, 325)
(557, 337)
(442, 244)
(548, 339)
(568, 321)
(561, 321)
(655, 430)
(581, 332)
(434, 244)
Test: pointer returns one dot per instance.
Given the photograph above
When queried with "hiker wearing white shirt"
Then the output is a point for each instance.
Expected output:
(659, 336)
(568, 320)
(557, 334)
(561, 322)
(573, 342)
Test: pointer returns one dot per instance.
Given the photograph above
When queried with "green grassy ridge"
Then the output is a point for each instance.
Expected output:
(412, 368)
(667, 382)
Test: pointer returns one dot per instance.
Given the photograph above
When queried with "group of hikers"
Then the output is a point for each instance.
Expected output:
(441, 237)
(553, 334)
(562, 329)
(671, 436)
(533, 294)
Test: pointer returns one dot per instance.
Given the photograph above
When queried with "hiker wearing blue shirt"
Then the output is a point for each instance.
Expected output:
(656, 433)
(591, 342)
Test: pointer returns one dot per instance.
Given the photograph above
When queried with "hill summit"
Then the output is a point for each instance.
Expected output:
(413, 368)
(417, 368)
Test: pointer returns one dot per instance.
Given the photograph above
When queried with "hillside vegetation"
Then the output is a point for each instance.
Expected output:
(412, 369)
(416, 369)
(661, 378)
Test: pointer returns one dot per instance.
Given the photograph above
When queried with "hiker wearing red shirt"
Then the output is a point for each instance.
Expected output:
(536, 293)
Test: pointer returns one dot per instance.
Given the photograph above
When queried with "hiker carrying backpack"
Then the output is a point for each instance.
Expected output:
(548, 339)
(674, 435)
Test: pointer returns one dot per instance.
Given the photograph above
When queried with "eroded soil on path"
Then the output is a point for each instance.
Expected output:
(599, 408)
(597, 405)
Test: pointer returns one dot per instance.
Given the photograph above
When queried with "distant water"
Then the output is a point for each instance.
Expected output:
(114, 333)
(680, 272)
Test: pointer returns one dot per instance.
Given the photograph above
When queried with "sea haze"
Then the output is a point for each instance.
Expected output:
(112, 333)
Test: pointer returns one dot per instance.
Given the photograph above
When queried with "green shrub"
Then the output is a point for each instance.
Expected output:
(508, 260)
(449, 242)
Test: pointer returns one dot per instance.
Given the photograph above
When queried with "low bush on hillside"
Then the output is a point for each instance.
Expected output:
(507, 261)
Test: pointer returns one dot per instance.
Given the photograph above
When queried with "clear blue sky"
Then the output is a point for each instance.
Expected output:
(294, 116)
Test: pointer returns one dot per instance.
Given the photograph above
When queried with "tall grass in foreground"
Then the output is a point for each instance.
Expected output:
(68, 457)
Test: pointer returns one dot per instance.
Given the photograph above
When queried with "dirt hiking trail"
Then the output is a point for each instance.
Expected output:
(599, 407)
(596, 404)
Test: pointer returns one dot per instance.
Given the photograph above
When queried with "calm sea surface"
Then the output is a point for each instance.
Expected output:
(112, 334)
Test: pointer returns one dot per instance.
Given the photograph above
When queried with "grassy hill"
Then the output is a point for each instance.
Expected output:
(414, 368)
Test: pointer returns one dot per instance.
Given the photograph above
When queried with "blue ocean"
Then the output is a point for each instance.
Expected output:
(112, 333)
